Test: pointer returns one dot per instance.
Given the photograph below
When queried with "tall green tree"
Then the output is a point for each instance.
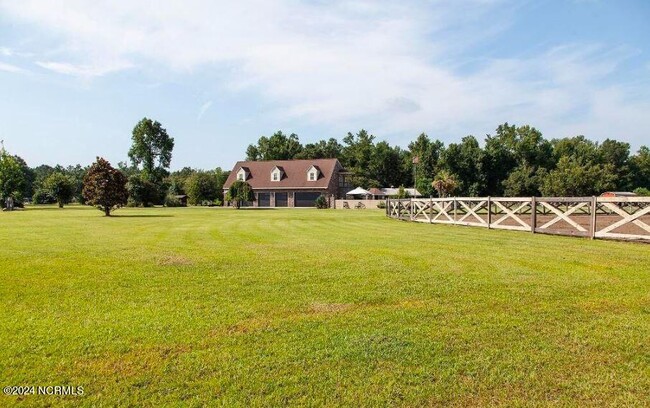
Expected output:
(465, 161)
(617, 155)
(152, 148)
(12, 177)
(574, 178)
(105, 187)
(357, 157)
(202, 186)
(640, 163)
(524, 181)
(61, 187)
(323, 149)
(426, 155)
(277, 147)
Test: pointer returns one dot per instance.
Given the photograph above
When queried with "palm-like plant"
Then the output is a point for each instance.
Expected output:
(445, 183)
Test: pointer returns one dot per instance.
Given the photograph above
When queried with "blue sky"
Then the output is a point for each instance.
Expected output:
(75, 76)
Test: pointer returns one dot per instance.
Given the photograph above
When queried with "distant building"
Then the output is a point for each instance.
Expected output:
(618, 194)
(182, 199)
(291, 183)
(394, 191)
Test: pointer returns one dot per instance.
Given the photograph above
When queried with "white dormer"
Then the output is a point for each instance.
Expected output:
(313, 172)
(242, 174)
(277, 173)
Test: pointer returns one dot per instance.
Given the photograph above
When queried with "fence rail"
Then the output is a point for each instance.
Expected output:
(626, 218)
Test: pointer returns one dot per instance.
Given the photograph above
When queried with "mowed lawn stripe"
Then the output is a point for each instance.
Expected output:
(307, 307)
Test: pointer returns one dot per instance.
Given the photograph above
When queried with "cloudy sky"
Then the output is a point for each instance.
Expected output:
(76, 75)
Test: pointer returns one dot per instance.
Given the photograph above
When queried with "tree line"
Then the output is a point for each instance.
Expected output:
(514, 161)
(146, 176)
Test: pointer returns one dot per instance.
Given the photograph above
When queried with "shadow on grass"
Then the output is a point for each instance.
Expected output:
(141, 216)
(259, 208)
(52, 208)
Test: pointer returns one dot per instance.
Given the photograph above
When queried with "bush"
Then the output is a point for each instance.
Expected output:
(42, 196)
(172, 201)
(642, 191)
(322, 203)
(381, 205)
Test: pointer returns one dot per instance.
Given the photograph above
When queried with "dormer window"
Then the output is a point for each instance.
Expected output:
(242, 174)
(312, 173)
(277, 173)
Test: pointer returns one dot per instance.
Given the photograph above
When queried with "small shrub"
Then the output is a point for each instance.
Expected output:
(321, 203)
(381, 205)
(642, 191)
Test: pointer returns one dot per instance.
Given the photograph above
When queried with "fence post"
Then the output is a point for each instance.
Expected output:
(489, 208)
(592, 226)
(454, 210)
(411, 208)
(388, 206)
(533, 214)
(430, 210)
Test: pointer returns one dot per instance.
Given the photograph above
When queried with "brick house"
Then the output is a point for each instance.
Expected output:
(291, 183)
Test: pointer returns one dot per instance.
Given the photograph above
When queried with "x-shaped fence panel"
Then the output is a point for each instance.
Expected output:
(469, 209)
(631, 216)
(421, 211)
(442, 211)
(595, 217)
(563, 210)
(510, 209)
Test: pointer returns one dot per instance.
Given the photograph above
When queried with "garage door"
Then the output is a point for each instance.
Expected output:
(281, 200)
(306, 199)
(264, 199)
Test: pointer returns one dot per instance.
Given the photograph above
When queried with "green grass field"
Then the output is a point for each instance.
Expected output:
(206, 306)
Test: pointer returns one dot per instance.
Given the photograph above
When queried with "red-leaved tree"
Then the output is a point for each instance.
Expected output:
(105, 187)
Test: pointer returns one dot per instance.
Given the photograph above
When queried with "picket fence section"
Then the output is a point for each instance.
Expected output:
(626, 218)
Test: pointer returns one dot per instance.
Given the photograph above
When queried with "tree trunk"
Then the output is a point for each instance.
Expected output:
(60, 204)
(107, 211)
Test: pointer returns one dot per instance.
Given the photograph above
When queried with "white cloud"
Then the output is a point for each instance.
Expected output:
(390, 66)
(11, 68)
(204, 108)
(82, 70)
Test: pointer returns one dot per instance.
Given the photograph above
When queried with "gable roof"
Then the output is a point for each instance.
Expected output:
(295, 173)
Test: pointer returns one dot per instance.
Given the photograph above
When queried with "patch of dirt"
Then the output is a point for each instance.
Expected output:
(320, 307)
(135, 362)
(246, 326)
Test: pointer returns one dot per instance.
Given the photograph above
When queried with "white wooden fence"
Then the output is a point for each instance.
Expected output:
(595, 217)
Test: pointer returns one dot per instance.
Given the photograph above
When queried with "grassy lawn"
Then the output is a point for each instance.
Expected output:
(305, 307)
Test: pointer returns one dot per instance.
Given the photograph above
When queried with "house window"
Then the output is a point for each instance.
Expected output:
(275, 176)
(312, 176)
(240, 177)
